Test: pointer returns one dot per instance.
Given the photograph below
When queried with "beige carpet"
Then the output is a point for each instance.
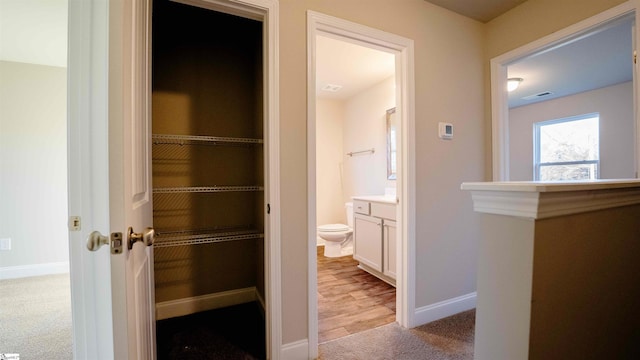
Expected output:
(450, 338)
(35, 317)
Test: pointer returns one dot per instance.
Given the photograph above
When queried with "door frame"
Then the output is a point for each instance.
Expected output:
(499, 65)
(88, 174)
(403, 48)
(98, 330)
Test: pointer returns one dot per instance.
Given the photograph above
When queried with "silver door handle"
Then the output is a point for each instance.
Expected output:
(95, 240)
(147, 237)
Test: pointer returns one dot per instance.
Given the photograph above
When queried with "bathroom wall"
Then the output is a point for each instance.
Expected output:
(365, 127)
(355, 124)
(615, 105)
(33, 168)
(329, 162)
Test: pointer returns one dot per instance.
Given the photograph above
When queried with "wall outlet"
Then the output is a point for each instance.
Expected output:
(5, 244)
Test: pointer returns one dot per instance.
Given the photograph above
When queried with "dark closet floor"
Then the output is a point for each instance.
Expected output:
(236, 332)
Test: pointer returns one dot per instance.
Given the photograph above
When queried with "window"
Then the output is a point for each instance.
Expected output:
(567, 149)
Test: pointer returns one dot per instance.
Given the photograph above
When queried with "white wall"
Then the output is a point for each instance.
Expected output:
(33, 164)
(615, 105)
(365, 127)
(329, 162)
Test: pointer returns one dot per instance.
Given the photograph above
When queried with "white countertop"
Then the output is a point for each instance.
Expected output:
(538, 186)
(376, 198)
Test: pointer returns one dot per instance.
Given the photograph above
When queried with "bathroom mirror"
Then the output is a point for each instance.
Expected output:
(391, 143)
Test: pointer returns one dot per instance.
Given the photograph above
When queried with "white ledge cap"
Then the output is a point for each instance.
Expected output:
(539, 200)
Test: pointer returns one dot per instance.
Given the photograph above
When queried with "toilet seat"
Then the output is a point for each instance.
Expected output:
(333, 228)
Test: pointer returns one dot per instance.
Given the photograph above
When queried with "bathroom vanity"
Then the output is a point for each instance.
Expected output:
(374, 227)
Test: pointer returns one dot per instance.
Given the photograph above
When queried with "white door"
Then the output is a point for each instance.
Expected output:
(109, 178)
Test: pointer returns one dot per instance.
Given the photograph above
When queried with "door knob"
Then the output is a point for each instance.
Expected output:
(147, 237)
(95, 240)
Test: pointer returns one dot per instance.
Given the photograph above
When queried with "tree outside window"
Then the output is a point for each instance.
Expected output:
(567, 149)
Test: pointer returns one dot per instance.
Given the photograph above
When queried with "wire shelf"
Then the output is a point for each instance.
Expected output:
(196, 237)
(206, 189)
(202, 140)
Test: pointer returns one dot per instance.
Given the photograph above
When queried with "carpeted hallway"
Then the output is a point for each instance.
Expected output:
(35, 321)
(447, 339)
(35, 317)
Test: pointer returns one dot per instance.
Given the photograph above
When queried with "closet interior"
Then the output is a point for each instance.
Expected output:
(207, 158)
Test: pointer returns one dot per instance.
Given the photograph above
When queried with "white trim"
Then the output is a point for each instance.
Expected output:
(543, 205)
(499, 64)
(88, 175)
(21, 271)
(192, 305)
(273, 260)
(403, 49)
(443, 309)
(312, 263)
(296, 350)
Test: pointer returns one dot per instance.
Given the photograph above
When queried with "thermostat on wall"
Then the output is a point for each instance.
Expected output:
(445, 130)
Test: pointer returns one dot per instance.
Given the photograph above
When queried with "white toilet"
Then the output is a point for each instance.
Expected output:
(338, 240)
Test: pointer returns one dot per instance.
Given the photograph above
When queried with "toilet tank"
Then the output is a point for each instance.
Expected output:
(349, 207)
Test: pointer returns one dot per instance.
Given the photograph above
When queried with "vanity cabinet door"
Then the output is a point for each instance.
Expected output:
(368, 241)
(389, 243)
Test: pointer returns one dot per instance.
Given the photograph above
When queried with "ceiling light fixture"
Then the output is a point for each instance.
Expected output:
(513, 83)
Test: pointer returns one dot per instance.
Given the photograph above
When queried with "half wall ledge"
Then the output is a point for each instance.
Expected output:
(558, 272)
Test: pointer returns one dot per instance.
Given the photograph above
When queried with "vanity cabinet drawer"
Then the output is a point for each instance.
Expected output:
(361, 207)
(384, 211)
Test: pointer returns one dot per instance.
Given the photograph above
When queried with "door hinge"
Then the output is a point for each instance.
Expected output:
(635, 57)
(268, 208)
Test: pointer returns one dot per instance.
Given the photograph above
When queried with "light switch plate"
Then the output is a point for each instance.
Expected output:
(5, 244)
(445, 131)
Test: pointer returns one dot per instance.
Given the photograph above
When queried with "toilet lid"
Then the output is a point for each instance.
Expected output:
(333, 228)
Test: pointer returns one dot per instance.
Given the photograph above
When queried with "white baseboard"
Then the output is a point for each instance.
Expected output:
(15, 272)
(191, 305)
(443, 309)
(295, 351)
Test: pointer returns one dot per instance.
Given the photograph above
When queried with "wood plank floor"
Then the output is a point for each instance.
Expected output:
(350, 300)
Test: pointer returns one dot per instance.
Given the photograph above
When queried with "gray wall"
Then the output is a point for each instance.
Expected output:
(449, 50)
(615, 105)
(33, 164)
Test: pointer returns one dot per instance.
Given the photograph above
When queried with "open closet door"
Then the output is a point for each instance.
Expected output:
(109, 182)
(130, 197)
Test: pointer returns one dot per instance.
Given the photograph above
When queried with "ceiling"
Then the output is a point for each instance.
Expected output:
(481, 10)
(599, 59)
(34, 32)
(353, 67)
(602, 58)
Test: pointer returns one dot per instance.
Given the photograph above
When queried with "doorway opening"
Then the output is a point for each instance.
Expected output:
(208, 180)
(402, 207)
(35, 293)
(585, 68)
(355, 157)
